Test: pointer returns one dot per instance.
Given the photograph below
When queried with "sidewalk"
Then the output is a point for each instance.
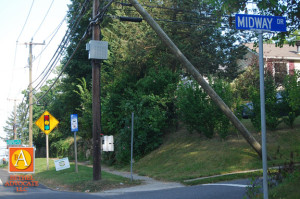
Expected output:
(148, 184)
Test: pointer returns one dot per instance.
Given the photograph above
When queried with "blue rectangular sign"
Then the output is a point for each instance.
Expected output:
(260, 22)
(74, 122)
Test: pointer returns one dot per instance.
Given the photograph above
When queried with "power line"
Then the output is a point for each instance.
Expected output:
(68, 34)
(25, 20)
(54, 33)
(75, 22)
(15, 56)
(43, 19)
(65, 41)
(65, 66)
(14, 66)
(97, 19)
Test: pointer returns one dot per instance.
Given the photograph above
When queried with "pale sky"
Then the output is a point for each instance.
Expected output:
(14, 72)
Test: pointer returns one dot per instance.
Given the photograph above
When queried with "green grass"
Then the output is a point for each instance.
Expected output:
(68, 179)
(3, 166)
(288, 189)
(187, 156)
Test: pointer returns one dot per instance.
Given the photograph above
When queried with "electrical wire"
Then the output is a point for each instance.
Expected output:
(62, 47)
(98, 18)
(14, 66)
(65, 66)
(75, 22)
(43, 19)
(26, 20)
(54, 33)
(15, 56)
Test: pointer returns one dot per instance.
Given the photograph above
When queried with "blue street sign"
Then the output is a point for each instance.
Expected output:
(74, 122)
(260, 22)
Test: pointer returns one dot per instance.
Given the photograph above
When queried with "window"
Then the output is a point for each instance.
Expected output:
(280, 72)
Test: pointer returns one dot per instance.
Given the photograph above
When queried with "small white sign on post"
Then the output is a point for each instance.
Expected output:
(62, 164)
(108, 143)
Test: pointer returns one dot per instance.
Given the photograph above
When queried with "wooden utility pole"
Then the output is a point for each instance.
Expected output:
(30, 89)
(96, 67)
(198, 77)
(15, 118)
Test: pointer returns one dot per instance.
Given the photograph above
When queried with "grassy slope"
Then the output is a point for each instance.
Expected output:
(187, 156)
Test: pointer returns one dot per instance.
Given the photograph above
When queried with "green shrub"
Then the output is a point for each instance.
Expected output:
(291, 98)
(272, 105)
(151, 99)
(198, 112)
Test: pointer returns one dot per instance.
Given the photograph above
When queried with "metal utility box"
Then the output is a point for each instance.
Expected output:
(97, 49)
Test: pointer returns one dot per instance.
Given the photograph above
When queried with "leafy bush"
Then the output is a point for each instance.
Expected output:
(198, 112)
(249, 78)
(279, 105)
(62, 147)
(151, 100)
(272, 105)
(291, 98)
(85, 119)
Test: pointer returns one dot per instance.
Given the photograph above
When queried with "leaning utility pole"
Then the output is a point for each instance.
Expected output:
(198, 77)
(30, 89)
(96, 106)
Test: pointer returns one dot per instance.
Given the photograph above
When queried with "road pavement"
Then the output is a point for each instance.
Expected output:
(150, 189)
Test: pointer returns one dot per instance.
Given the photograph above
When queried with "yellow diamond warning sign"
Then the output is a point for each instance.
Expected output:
(47, 122)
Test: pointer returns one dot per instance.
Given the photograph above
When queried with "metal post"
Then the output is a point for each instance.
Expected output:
(263, 116)
(96, 67)
(30, 96)
(75, 148)
(47, 151)
(131, 159)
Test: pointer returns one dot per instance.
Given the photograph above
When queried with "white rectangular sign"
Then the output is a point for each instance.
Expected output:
(108, 143)
(62, 164)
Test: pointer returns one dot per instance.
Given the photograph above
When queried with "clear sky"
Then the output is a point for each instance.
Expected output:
(14, 72)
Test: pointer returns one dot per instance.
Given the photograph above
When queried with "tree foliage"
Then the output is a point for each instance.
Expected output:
(198, 112)
(141, 75)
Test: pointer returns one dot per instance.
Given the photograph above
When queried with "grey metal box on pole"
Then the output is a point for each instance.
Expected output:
(97, 49)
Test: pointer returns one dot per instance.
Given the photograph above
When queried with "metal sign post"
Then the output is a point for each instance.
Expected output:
(47, 150)
(74, 128)
(261, 24)
(131, 157)
(263, 115)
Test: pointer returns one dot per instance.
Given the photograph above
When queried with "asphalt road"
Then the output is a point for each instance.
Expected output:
(231, 190)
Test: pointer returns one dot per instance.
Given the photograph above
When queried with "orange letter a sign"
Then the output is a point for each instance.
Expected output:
(21, 160)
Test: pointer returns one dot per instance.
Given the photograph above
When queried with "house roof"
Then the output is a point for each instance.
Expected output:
(271, 51)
